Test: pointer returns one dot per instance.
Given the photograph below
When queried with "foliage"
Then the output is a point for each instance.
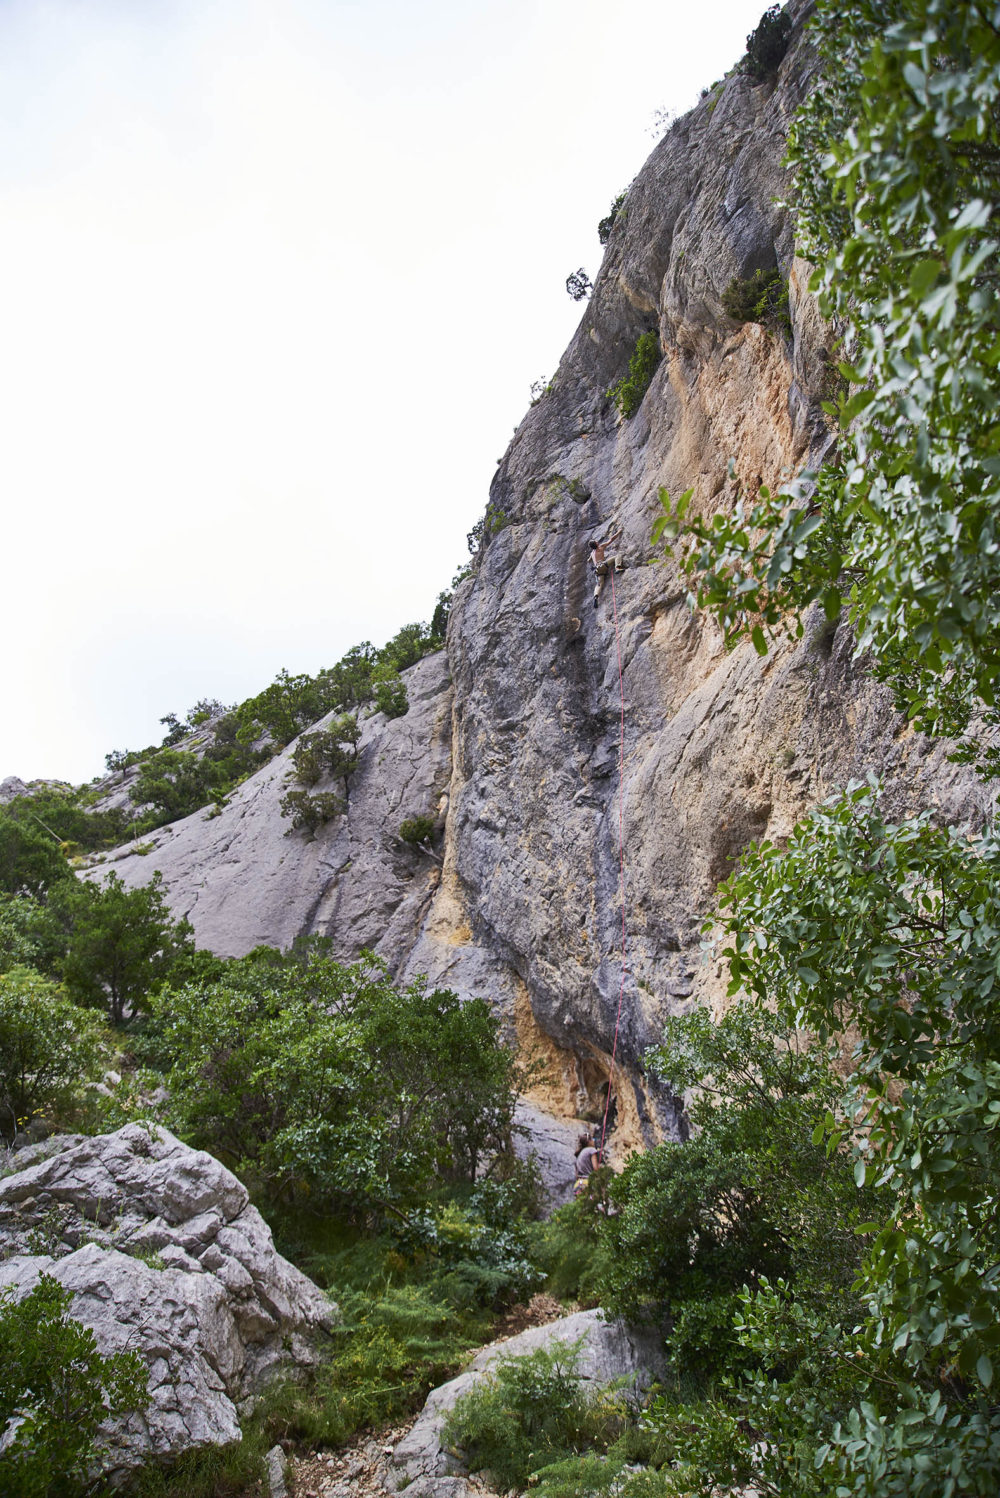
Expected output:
(174, 783)
(49, 1049)
(529, 1412)
(492, 523)
(417, 831)
(761, 298)
(897, 167)
(615, 212)
(310, 812)
(329, 752)
(750, 1197)
(327, 1084)
(390, 691)
(579, 285)
(891, 941)
(569, 1246)
(64, 815)
(122, 944)
(56, 1391)
(768, 43)
(30, 860)
(630, 389)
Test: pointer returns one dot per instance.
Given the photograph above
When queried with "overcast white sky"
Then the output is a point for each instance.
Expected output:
(275, 279)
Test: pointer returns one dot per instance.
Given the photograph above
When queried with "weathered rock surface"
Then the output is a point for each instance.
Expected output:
(719, 748)
(163, 1254)
(608, 1350)
(242, 877)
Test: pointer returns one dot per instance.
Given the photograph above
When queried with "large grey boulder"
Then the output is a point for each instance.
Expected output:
(163, 1254)
(608, 1350)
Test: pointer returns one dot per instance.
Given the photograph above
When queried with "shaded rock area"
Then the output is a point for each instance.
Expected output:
(607, 1351)
(163, 1254)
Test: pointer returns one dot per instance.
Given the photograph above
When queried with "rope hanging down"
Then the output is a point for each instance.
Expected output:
(621, 861)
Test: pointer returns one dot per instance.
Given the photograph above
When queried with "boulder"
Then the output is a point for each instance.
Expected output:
(608, 1350)
(163, 1253)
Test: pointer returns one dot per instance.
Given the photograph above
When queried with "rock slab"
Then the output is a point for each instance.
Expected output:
(163, 1254)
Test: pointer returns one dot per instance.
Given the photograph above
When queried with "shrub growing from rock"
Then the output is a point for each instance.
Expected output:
(768, 43)
(760, 298)
(630, 389)
(56, 1391)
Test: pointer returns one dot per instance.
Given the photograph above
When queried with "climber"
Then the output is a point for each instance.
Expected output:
(588, 1158)
(601, 562)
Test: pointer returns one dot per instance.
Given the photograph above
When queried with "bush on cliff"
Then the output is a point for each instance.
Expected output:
(49, 1050)
(627, 394)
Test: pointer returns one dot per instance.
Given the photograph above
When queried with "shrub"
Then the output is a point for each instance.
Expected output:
(55, 1392)
(30, 860)
(768, 43)
(49, 1048)
(529, 1412)
(615, 212)
(122, 943)
(390, 692)
(579, 285)
(310, 812)
(482, 533)
(630, 389)
(328, 1084)
(761, 298)
(417, 830)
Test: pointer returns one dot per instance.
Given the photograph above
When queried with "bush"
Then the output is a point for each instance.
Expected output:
(768, 43)
(311, 812)
(327, 1084)
(30, 860)
(49, 1049)
(55, 1392)
(615, 212)
(579, 285)
(630, 389)
(761, 298)
(417, 831)
(529, 1412)
(390, 692)
(122, 943)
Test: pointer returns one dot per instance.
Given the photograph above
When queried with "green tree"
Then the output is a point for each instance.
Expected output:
(331, 1085)
(56, 1391)
(30, 858)
(122, 943)
(643, 363)
(49, 1048)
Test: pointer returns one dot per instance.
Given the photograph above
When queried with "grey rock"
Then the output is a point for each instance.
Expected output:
(163, 1253)
(11, 788)
(276, 1473)
(608, 1350)
(513, 735)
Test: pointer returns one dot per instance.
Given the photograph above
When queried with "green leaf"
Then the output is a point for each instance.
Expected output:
(759, 642)
(984, 1368)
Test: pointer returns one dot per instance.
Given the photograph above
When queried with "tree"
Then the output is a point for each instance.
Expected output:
(49, 1048)
(768, 43)
(30, 858)
(56, 1391)
(329, 1084)
(897, 158)
(122, 943)
(579, 285)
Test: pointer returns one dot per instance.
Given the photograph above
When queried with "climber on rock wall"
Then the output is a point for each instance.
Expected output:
(601, 562)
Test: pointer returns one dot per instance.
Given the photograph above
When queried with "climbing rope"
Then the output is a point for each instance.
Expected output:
(621, 861)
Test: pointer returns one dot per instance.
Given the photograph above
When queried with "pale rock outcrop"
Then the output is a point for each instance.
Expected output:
(164, 1254)
(242, 877)
(606, 1351)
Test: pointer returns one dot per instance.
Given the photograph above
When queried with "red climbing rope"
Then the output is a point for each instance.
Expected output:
(621, 859)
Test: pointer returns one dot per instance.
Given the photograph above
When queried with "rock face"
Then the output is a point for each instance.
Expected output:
(607, 1350)
(165, 1255)
(719, 749)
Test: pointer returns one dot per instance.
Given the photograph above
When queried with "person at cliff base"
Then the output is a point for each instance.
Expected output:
(588, 1157)
(602, 562)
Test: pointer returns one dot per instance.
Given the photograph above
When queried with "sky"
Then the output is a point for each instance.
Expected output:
(276, 277)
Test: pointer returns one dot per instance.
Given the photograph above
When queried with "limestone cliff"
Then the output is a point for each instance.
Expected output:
(514, 738)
